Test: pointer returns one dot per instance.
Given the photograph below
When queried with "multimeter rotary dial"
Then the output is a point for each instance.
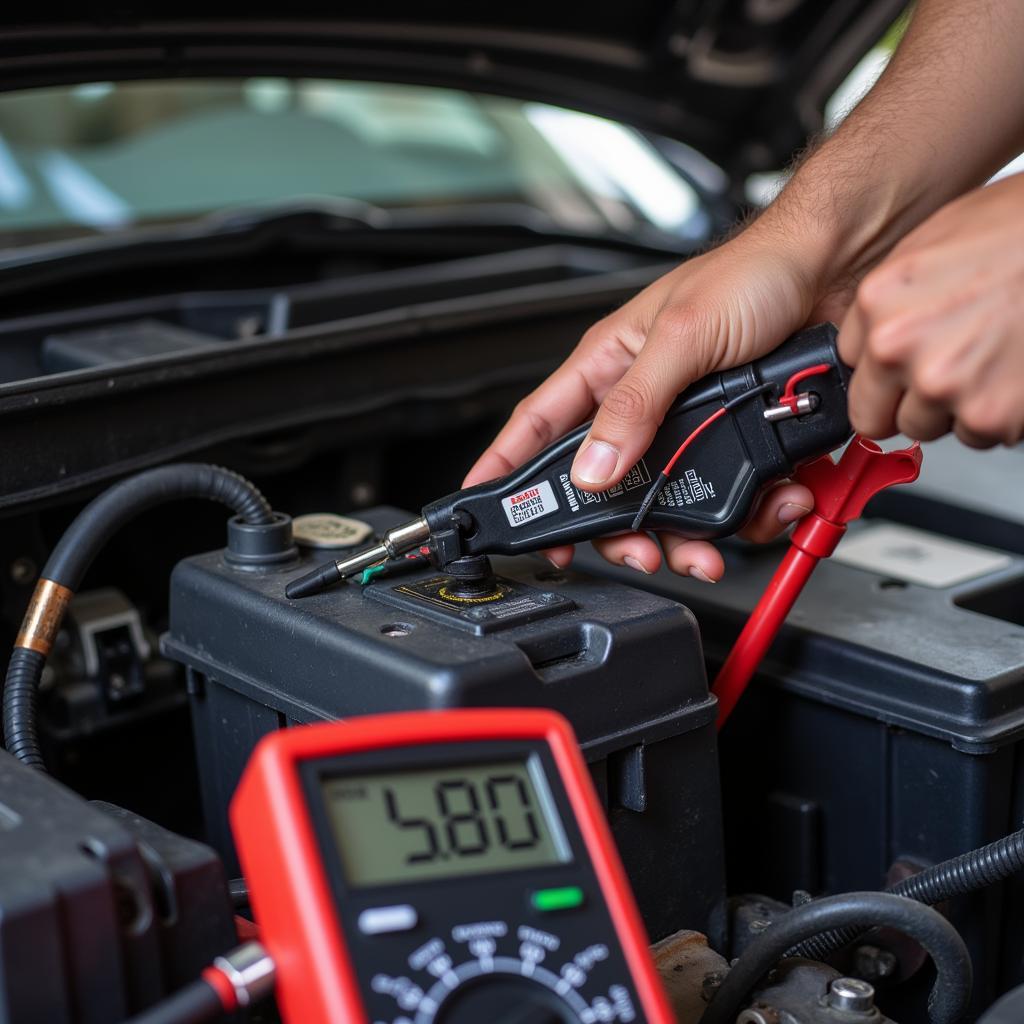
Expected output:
(502, 975)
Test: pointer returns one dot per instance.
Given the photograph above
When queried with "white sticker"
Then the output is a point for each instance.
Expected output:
(917, 557)
(532, 503)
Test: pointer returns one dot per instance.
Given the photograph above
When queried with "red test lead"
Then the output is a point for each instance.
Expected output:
(841, 490)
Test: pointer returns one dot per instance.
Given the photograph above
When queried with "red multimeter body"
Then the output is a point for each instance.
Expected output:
(440, 866)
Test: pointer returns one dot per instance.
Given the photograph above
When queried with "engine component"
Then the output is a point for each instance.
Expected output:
(949, 997)
(624, 667)
(101, 912)
(449, 867)
(710, 495)
(107, 675)
(811, 993)
(691, 971)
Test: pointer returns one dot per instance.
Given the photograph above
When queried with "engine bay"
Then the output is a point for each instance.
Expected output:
(878, 742)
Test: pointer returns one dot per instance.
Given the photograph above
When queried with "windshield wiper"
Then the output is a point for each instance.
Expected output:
(153, 244)
(323, 220)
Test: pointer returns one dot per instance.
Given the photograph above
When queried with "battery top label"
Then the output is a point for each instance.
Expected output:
(531, 503)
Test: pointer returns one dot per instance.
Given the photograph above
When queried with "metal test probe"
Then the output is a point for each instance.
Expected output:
(721, 443)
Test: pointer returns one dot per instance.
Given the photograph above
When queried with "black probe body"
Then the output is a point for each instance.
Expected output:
(709, 492)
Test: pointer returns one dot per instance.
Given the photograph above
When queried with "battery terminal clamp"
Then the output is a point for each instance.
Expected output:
(724, 439)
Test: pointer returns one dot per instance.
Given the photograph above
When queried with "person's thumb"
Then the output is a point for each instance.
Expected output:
(679, 349)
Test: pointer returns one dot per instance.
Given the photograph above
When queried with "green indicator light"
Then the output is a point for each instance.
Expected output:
(565, 898)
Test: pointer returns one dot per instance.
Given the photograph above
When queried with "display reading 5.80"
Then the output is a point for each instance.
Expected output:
(406, 826)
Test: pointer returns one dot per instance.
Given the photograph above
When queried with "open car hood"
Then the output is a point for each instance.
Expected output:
(743, 81)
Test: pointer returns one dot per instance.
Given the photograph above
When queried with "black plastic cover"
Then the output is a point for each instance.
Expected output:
(119, 343)
(440, 356)
(101, 912)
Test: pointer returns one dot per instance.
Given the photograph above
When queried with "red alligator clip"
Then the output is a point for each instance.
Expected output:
(841, 490)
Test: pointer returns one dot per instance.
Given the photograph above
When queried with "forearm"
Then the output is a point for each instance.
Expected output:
(946, 114)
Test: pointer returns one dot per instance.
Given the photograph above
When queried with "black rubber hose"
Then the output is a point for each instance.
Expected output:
(949, 997)
(969, 872)
(23, 673)
(83, 540)
(194, 1004)
(117, 505)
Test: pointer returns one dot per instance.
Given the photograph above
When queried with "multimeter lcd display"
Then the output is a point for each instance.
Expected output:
(407, 826)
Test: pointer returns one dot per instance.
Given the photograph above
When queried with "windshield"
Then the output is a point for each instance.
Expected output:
(105, 156)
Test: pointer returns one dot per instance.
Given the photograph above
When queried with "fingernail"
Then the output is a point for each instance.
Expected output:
(699, 574)
(596, 462)
(791, 512)
(551, 561)
(634, 564)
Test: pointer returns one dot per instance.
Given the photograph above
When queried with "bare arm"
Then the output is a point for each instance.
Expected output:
(943, 117)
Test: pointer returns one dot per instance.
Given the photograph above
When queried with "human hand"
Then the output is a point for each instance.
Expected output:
(715, 311)
(936, 331)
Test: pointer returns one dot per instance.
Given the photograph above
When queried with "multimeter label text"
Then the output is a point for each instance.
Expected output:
(638, 476)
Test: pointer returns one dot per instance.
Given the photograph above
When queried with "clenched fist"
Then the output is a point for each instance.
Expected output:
(936, 330)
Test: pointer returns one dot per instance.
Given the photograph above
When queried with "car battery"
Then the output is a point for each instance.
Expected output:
(884, 729)
(624, 666)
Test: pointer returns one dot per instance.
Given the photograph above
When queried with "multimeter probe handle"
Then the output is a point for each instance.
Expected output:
(722, 441)
(234, 981)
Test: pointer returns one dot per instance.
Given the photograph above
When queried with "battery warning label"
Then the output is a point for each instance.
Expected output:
(532, 503)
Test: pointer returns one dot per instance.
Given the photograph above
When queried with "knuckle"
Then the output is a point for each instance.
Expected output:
(969, 438)
(872, 291)
(598, 333)
(611, 339)
(684, 322)
(934, 382)
(538, 424)
(860, 410)
(858, 420)
(628, 402)
(991, 421)
(888, 343)
(683, 315)
(867, 420)
(982, 419)
(918, 427)
(876, 290)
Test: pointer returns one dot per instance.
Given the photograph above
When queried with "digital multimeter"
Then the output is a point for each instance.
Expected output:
(440, 866)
